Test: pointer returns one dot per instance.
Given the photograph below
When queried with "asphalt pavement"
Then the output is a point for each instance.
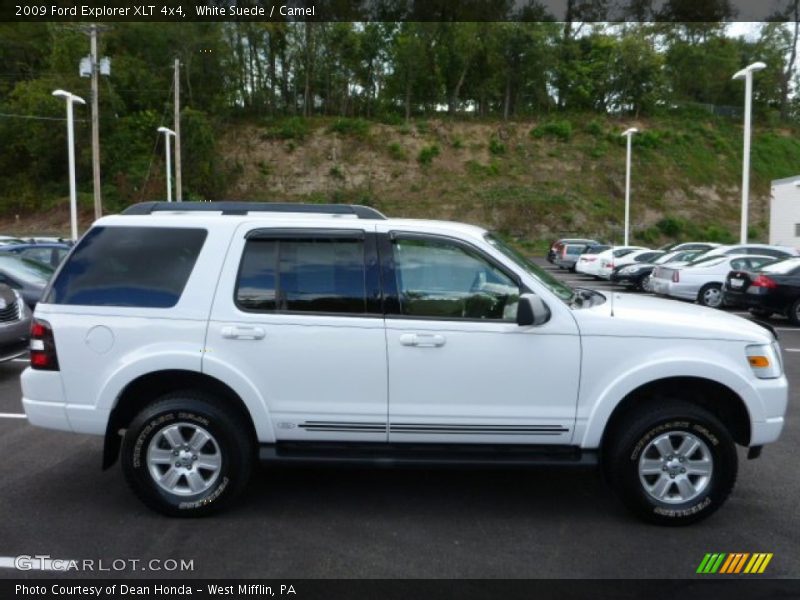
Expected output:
(382, 523)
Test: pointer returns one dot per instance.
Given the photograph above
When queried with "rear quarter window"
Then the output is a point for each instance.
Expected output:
(144, 267)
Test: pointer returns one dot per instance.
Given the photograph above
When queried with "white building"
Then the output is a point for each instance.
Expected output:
(784, 213)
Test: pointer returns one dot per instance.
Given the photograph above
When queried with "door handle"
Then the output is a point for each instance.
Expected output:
(422, 340)
(233, 332)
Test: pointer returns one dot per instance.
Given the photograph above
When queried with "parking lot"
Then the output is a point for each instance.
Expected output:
(377, 523)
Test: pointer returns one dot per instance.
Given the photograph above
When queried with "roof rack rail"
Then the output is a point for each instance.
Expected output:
(243, 208)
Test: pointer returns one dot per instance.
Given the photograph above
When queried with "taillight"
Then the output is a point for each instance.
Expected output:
(675, 277)
(610, 265)
(43, 346)
(564, 252)
(764, 281)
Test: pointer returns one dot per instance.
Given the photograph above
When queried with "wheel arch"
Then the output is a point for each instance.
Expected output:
(716, 397)
(147, 387)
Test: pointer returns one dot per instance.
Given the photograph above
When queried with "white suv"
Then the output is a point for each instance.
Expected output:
(200, 337)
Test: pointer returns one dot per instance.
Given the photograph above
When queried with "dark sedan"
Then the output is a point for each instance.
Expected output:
(635, 274)
(774, 288)
(28, 277)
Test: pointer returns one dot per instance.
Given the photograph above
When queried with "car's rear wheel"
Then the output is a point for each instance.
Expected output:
(672, 463)
(187, 454)
(710, 295)
(794, 312)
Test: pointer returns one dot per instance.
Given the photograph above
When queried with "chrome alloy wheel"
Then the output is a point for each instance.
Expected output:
(184, 459)
(676, 467)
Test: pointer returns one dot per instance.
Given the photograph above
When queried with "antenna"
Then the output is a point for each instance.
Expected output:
(612, 302)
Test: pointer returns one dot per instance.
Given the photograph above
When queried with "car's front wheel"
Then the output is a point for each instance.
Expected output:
(187, 454)
(672, 464)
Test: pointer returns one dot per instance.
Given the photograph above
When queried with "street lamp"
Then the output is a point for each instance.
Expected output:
(628, 134)
(747, 75)
(167, 133)
(73, 199)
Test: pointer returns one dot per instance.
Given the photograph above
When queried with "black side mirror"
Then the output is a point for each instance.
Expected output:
(531, 310)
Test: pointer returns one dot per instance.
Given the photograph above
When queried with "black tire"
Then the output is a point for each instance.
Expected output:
(794, 312)
(621, 461)
(231, 446)
(761, 313)
(701, 295)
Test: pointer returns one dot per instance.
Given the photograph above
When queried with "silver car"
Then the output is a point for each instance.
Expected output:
(15, 324)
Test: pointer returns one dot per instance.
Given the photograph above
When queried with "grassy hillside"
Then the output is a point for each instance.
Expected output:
(529, 180)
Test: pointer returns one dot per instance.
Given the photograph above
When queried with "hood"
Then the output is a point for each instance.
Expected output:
(7, 296)
(645, 316)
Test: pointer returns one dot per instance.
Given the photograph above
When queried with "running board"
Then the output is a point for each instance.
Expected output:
(425, 455)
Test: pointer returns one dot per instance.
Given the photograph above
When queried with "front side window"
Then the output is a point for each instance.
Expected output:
(445, 280)
(304, 274)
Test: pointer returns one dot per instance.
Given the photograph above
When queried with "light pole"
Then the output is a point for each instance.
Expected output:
(628, 134)
(167, 133)
(73, 198)
(747, 75)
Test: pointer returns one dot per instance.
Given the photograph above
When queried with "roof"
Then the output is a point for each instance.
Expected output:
(795, 179)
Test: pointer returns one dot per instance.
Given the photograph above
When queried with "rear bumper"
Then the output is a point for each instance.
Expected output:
(45, 406)
(745, 300)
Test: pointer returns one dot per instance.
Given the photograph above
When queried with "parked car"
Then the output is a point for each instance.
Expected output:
(769, 289)
(555, 247)
(49, 254)
(637, 275)
(589, 255)
(593, 267)
(15, 324)
(568, 256)
(184, 338)
(28, 277)
(607, 266)
(702, 281)
(701, 246)
(755, 249)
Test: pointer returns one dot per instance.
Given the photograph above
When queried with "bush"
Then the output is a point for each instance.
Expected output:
(561, 130)
(427, 154)
(396, 151)
(671, 227)
(292, 128)
(355, 127)
(496, 147)
(594, 127)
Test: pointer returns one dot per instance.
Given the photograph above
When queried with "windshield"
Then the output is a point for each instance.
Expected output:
(26, 271)
(554, 285)
(783, 267)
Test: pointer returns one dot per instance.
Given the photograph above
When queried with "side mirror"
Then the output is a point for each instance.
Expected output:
(531, 310)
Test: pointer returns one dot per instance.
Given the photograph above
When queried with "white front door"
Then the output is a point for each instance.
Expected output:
(460, 368)
(298, 313)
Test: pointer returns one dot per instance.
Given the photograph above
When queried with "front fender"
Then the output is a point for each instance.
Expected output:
(600, 401)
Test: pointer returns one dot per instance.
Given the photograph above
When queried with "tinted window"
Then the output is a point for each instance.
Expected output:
(304, 274)
(647, 256)
(43, 255)
(129, 266)
(446, 280)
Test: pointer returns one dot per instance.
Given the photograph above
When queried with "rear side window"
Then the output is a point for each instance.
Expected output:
(304, 274)
(144, 267)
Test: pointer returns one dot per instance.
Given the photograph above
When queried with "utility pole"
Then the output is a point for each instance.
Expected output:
(98, 201)
(178, 184)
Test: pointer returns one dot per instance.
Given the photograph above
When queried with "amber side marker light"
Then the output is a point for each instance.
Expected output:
(758, 362)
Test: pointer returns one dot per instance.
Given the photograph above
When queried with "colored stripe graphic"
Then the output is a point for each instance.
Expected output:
(734, 563)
